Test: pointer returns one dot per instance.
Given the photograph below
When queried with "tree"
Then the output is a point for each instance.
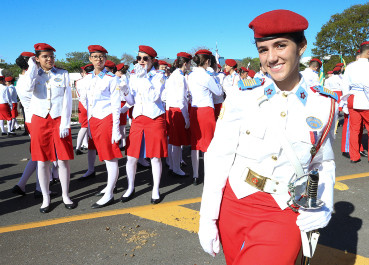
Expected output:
(250, 63)
(343, 33)
(195, 49)
(113, 58)
(10, 69)
(127, 59)
(78, 56)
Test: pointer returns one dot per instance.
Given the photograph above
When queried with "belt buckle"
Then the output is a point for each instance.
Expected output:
(256, 180)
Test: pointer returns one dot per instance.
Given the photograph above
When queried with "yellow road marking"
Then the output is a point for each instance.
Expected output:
(340, 186)
(354, 176)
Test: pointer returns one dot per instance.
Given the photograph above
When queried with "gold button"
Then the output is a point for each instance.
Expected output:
(247, 132)
(284, 94)
(48, 109)
(283, 114)
(48, 99)
(274, 158)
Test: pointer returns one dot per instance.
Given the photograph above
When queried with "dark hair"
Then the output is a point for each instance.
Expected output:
(314, 64)
(155, 64)
(180, 62)
(364, 48)
(213, 62)
(89, 68)
(38, 53)
(200, 59)
(22, 62)
(337, 72)
(297, 37)
(124, 69)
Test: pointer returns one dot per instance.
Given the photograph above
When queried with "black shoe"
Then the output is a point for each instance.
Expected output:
(364, 153)
(19, 128)
(4, 134)
(45, 210)
(78, 152)
(70, 206)
(353, 161)
(174, 174)
(346, 154)
(17, 190)
(12, 134)
(126, 199)
(196, 181)
(92, 175)
(54, 181)
(156, 201)
(96, 206)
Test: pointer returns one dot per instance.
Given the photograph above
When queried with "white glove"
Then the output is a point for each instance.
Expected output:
(63, 132)
(309, 220)
(345, 109)
(140, 71)
(115, 136)
(209, 236)
(187, 125)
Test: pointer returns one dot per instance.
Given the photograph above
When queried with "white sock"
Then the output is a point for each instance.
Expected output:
(156, 168)
(43, 170)
(91, 157)
(169, 159)
(28, 171)
(64, 177)
(195, 162)
(131, 167)
(176, 158)
(81, 134)
(112, 169)
(2, 126)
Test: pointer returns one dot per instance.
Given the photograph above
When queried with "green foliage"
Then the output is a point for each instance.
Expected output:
(71, 67)
(127, 59)
(78, 56)
(10, 69)
(113, 58)
(344, 32)
(254, 63)
(335, 59)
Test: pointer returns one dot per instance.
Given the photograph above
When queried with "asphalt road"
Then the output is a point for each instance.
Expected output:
(135, 232)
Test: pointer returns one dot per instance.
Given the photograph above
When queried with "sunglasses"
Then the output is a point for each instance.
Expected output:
(145, 58)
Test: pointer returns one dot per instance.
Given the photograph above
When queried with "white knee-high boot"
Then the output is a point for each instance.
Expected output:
(64, 177)
(28, 171)
(81, 135)
(43, 170)
(156, 168)
(131, 167)
(91, 157)
(176, 158)
(112, 170)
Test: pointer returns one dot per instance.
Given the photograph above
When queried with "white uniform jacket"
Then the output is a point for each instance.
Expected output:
(356, 82)
(51, 93)
(25, 97)
(245, 138)
(147, 92)
(311, 77)
(334, 83)
(4, 95)
(13, 94)
(230, 82)
(218, 79)
(202, 86)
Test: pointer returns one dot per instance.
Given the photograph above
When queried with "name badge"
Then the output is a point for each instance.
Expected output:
(57, 80)
(314, 123)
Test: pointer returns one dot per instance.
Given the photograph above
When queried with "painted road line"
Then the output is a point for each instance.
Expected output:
(62, 220)
(341, 186)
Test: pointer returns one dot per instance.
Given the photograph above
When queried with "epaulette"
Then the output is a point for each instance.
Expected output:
(110, 74)
(210, 73)
(324, 91)
(245, 84)
(160, 71)
(190, 72)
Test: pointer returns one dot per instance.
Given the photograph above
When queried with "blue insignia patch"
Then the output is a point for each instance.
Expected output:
(325, 92)
(314, 123)
(57, 80)
(302, 95)
(245, 84)
(269, 91)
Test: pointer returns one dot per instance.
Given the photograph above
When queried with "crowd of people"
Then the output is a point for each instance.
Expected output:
(257, 131)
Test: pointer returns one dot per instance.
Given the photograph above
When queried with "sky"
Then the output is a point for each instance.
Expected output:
(167, 26)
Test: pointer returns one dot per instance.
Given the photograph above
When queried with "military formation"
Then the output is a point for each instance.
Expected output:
(266, 137)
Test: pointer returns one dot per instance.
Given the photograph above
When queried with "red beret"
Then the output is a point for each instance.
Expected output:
(1, 77)
(244, 69)
(278, 22)
(337, 69)
(169, 65)
(109, 64)
(203, 51)
(230, 62)
(251, 73)
(28, 54)
(340, 64)
(185, 55)
(155, 61)
(147, 49)
(219, 66)
(9, 79)
(161, 62)
(84, 67)
(120, 66)
(330, 72)
(96, 48)
(43, 47)
(316, 60)
(358, 51)
(364, 43)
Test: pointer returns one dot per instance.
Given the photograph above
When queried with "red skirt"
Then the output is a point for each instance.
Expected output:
(255, 230)
(339, 94)
(217, 108)
(202, 127)
(155, 137)
(82, 115)
(123, 116)
(177, 133)
(14, 111)
(46, 143)
(101, 132)
(5, 113)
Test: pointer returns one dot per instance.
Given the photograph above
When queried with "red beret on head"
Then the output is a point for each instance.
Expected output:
(43, 47)
(364, 43)
(219, 66)
(337, 69)
(161, 62)
(120, 66)
(358, 51)
(203, 51)
(109, 64)
(28, 54)
(330, 72)
(316, 60)
(230, 62)
(251, 73)
(169, 65)
(185, 55)
(278, 22)
(96, 48)
(340, 64)
(244, 69)
(84, 67)
(9, 79)
(147, 49)
(155, 61)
